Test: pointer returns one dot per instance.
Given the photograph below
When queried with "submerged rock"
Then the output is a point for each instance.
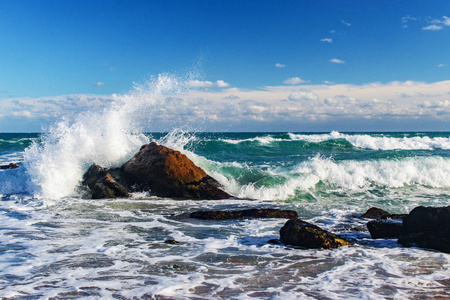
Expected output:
(384, 229)
(169, 173)
(375, 213)
(102, 184)
(246, 213)
(10, 166)
(304, 234)
(427, 227)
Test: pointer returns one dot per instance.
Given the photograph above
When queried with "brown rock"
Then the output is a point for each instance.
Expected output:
(169, 173)
(375, 213)
(102, 184)
(247, 213)
(304, 234)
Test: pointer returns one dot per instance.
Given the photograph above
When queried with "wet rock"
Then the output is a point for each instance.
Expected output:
(304, 234)
(427, 227)
(10, 166)
(246, 213)
(171, 242)
(384, 229)
(169, 173)
(375, 213)
(102, 184)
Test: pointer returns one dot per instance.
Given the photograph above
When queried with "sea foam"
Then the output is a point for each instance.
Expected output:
(107, 137)
(367, 141)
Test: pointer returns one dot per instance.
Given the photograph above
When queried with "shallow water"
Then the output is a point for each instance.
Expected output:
(117, 249)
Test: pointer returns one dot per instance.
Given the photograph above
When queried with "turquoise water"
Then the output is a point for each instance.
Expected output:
(53, 243)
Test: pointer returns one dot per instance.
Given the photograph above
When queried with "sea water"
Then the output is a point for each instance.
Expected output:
(55, 244)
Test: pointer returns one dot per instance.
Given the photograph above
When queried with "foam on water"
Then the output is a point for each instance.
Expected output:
(116, 249)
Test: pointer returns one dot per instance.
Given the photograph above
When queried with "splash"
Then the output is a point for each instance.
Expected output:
(107, 137)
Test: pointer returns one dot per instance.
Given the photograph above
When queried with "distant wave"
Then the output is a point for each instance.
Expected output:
(363, 141)
(367, 141)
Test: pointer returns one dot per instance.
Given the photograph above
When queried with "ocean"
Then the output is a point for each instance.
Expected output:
(56, 245)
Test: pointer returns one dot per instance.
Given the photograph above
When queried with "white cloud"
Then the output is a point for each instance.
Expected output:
(406, 20)
(332, 104)
(221, 83)
(337, 61)
(328, 82)
(304, 95)
(432, 27)
(294, 80)
(99, 84)
(207, 84)
(278, 65)
(346, 23)
(441, 65)
(446, 21)
(329, 40)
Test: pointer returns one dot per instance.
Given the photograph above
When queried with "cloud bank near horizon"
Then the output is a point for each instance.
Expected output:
(396, 105)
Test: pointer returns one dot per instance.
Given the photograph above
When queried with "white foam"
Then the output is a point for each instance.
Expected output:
(264, 140)
(374, 142)
(350, 175)
(108, 137)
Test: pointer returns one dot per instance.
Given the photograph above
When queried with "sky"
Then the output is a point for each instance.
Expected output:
(246, 65)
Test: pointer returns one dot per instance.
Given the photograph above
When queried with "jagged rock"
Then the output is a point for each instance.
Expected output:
(427, 227)
(247, 213)
(375, 213)
(10, 166)
(304, 234)
(169, 173)
(102, 184)
(384, 229)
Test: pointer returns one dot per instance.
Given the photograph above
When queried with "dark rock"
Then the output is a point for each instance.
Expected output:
(102, 184)
(10, 166)
(274, 242)
(169, 173)
(171, 242)
(383, 229)
(375, 213)
(304, 234)
(246, 213)
(394, 217)
(427, 227)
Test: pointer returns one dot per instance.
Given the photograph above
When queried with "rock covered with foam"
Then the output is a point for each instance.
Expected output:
(162, 171)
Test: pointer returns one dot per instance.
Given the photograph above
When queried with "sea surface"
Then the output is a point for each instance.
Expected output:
(56, 245)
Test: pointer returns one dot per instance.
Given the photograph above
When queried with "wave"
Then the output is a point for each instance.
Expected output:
(362, 141)
(282, 184)
(367, 141)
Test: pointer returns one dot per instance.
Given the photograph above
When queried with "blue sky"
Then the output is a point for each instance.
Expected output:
(98, 48)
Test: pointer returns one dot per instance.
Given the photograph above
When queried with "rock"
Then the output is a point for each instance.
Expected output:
(102, 184)
(169, 173)
(10, 166)
(384, 229)
(247, 213)
(375, 213)
(304, 234)
(427, 227)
